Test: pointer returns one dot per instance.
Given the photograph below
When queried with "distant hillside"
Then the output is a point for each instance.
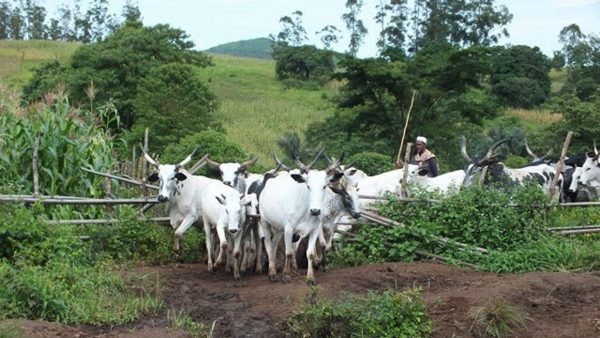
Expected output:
(256, 48)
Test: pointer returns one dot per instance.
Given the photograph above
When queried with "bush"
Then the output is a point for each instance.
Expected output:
(387, 314)
(303, 63)
(371, 163)
(173, 103)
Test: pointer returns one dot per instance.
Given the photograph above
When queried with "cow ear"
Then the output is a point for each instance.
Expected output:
(180, 177)
(423, 172)
(336, 190)
(221, 199)
(298, 178)
(336, 177)
(152, 177)
(352, 172)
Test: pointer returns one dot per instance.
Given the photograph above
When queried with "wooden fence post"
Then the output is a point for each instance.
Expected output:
(34, 166)
(403, 192)
(143, 178)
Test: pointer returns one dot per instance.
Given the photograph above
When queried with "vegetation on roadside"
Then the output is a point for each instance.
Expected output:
(385, 314)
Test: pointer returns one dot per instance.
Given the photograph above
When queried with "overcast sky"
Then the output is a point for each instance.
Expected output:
(213, 22)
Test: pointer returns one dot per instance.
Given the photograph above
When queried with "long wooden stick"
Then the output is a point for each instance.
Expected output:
(404, 184)
(104, 221)
(144, 165)
(391, 223)
(412, 101)
(34, 166)
(574, 227)
(119, 178)
(560, 165)
(575, 232)
(71, 201)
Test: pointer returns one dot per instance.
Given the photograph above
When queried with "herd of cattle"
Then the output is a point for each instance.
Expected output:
(247, 211)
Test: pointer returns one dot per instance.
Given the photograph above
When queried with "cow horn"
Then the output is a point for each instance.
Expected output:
(316, 157)
(213, 164)
(279, 164)
(335, 164)
(595, 149)
(150, 160)
(249, 163)
(463, 149)
(187, 160)
(330, 160)
(547, 154)
(494, 146)
(530, 152)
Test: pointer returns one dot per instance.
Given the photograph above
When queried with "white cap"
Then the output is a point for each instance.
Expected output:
(421, 139)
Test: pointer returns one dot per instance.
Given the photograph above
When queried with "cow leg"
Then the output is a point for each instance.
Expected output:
(229, 262)
(259, 248)
(185, 224)
(310, 255)
(222, 244)
(271, 241)
(237, 248)
(209, 245)
(290, 253)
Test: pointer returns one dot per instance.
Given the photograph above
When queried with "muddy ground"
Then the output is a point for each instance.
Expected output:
(558, 304)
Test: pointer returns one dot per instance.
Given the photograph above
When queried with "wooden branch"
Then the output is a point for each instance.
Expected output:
(72, 201)
(104, 221)
(198, 165)
(440, 239)
(119, 178)
(144, 165)
(422, 253)
(560, 165)
(34, 166)
(579, 204)
(580, 231)
(574, 227)
(403, 186)
(412, 101)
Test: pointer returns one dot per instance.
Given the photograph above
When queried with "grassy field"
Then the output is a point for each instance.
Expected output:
(256, 109)
(18, 57)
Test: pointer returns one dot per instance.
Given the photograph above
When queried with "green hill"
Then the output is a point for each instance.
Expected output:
(255, 48)
(17, 57)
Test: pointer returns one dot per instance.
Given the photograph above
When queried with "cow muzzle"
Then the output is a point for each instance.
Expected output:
(162, 198)
(233, 231)
(315, 212)
(355, 214)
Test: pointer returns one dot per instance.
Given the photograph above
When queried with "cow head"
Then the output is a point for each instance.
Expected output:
(234, 205)
(590, 171)
(232, 173)
(576, 179)
(349, 195)
(316, 182)
(474, 165)
(168, 176)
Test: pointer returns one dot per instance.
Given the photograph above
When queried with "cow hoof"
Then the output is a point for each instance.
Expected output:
(324, 268)
(311, 281)
(237, 278)
(286, 279)
(211, 268)
(273, 278)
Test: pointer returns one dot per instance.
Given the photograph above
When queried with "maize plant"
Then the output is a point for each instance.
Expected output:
(69, 139)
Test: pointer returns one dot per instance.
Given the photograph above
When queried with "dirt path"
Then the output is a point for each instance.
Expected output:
(559, 304)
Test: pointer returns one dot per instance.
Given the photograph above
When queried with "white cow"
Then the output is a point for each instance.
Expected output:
(224, 209)
(590, 175)
(235, 174)
(583, 192)
(292, 204)
(182, 191)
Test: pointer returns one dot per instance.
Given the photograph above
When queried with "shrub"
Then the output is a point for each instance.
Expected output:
(173, 103)
(371, 163)
(386, 314)
(497, 318)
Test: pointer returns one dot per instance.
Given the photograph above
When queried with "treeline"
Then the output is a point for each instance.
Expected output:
(447, 52)
(83, 22)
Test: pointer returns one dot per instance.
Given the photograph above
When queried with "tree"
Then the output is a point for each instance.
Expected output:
(520, 76)
(118, 63)
(354, 25)
(131, 12)
(393, 34)
(292, 32)
(575, 47)
(5, 11)
(35, 16)
(172, 102)
(303, 63)
(17, 24)
(329, 35)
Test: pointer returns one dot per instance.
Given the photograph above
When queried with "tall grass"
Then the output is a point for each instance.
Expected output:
(256, 108)
(17, 57)
(536, 116)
